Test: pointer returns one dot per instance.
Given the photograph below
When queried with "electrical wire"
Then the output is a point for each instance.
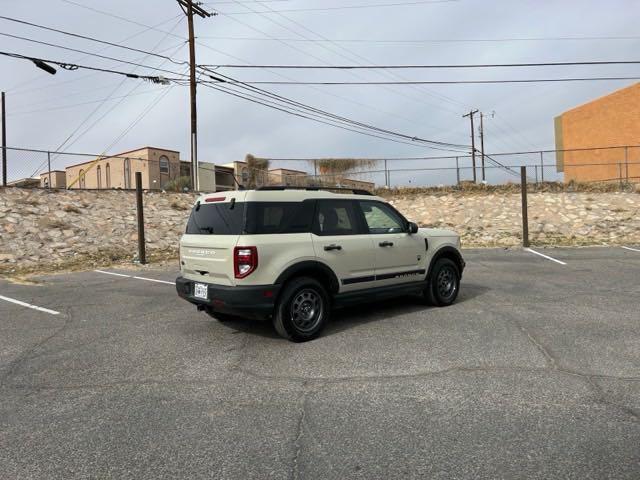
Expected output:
(74, 66)
(433, 66)
(92, 39)
(91, 54)
(244, 85)
(350, 57)
(343, 7)
(306, 116)
(440, 82)
(420, 41)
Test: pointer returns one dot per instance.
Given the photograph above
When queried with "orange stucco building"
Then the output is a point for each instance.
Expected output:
(590, 133)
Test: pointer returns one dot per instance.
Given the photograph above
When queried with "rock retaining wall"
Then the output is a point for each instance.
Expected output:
(42, 230)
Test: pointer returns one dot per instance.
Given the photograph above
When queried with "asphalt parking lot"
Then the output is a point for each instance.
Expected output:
(533, 373)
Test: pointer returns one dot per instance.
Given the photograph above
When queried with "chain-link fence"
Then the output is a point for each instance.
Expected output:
(164, 170)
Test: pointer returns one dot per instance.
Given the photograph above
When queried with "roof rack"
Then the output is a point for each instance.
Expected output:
(355, 191)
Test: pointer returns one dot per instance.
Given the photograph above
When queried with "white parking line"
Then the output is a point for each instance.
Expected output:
(113, 273)
(28, 305)
(545, 256)
(632, 249)
(137, 278)
(154, 280)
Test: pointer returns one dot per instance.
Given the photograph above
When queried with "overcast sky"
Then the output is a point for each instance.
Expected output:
(44, 110)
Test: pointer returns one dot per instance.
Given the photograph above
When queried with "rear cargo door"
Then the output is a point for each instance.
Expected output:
(213, 230)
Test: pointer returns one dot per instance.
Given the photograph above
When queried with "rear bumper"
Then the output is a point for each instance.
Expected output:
(254, 301)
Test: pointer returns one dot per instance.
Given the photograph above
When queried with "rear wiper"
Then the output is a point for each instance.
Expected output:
(198, 205)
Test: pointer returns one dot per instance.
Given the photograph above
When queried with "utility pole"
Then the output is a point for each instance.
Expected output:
(473, 143)
(484, 178)
(4, 144)
(190, 8)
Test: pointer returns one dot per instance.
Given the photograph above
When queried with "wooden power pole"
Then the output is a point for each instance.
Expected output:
(190, 9)
(4, 144)
(484, 178)
(473, 143)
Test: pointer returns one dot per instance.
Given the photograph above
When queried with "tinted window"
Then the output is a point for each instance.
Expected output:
(335, 217)
(381, 218)
(279, 217)
(216, 219)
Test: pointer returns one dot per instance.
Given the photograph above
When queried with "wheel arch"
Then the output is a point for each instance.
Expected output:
(449, 252)
(313, 269)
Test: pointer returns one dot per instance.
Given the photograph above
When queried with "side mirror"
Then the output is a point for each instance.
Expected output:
(413, 228)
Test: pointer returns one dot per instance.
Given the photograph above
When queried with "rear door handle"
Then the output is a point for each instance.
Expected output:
(333, 246)
(386, 244)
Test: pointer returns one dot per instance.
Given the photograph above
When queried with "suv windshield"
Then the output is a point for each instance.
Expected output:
(216, 219)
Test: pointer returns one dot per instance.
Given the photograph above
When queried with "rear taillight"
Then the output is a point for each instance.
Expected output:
(245, 261)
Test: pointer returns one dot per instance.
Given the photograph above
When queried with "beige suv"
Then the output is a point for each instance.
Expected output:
(291, 255)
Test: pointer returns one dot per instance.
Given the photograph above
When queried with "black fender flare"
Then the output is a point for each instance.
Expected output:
(446, 251)
(306, 266)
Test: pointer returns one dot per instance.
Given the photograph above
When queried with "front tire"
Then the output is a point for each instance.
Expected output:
(302, 311)
(443, 283)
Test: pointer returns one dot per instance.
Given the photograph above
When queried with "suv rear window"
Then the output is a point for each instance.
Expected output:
(278, 217)
(216, 219)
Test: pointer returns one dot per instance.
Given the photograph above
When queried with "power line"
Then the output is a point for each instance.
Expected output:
(233, 82)
(317, 119)
(423, 41)
(395, 67)
(92, 39)
(343, 7)
(91, 54)
(74, 66)
(441, 82)
(333, 51)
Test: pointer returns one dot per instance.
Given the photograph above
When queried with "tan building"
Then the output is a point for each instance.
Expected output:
(158, 166)
(609, 121)
(58, 179)
(289, 177)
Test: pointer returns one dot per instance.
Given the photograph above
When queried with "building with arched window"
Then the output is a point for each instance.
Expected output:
(158, 167)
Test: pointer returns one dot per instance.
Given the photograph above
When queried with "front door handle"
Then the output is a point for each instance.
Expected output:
(333, 246)
(386, 244)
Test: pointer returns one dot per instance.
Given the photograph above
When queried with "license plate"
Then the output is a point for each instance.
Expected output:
(200, 291)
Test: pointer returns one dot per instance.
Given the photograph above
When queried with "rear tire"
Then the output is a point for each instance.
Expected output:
(443, 283)
(302, 311)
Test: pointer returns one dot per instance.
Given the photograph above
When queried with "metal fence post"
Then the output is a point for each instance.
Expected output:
(626, 162)
(536, 169)
(525, 217)
(386, 174)
(142, 255)
(542, 167)
(49, 168)
(620, 175)
(457, 172)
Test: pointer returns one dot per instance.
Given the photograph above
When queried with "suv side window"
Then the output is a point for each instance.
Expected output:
(336, 217)
(381, 218)
(278, 217)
